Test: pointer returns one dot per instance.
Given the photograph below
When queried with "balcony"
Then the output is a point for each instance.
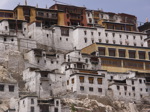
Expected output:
(94, 60)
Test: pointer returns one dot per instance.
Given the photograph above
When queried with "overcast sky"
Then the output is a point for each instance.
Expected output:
(139, 8)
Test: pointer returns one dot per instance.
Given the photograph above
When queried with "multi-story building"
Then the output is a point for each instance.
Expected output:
(46, 17)
(110, 20)
(6, 14)
(120, 58)
(73, 15)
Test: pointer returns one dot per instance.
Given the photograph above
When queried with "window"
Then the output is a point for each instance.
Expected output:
(99, 33)
(57, 103)
(82, 88)
(140, 81)
(6, 28)
(120, 36)
(133, 37)
(141, 89)
(72, 81)
(121, 52)
(113, 34)
(67, 82)
(12, 39)
(47, 35)
(86, 60)
(141, 37)
(141, 96)
(85, 33)
(90, 88)
(101, 50)
(133, 88)
(78, 59)
(38, 24)
(85, 40)
(32, 101)
(65, 31)
(107, 41)
(32, 109)
(99, 89)
(132, 82)
(99, 80)
(52, 61)
(134, 44)
(125, 88)
(81, 78)
(132, 54)
(56, 110)
(106, 34)
(91, 33)
(5, 39)
(66, 39)
(92, 40)
(100, 40)
(112, 51)
(129, 94)
(142, 54)
(120, 42)
(111, 77)
(114, 42)
(118, 87)
(11, 88)
(30, 37)
(127, 36)
(91, 80)
(1, 87)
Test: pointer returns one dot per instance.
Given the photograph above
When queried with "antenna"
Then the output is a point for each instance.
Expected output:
(60, 2)
(25, 2)
(146, 19)
(37, 5)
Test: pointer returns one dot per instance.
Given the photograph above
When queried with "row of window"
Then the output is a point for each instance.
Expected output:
(129, 94)
(61, 38)
(133, 88)
(10, 87)
(113, 35)
(122, 52)
(90, 80)
(91, 89)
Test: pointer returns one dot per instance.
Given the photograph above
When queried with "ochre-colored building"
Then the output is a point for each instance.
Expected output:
(120, 58)
(31, 14)
(73, 15)
(6, 14)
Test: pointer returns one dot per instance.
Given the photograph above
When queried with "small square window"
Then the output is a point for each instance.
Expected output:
(91, 33)
(90, 88)
(82, 88)
(99, 89)
(11, 88)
